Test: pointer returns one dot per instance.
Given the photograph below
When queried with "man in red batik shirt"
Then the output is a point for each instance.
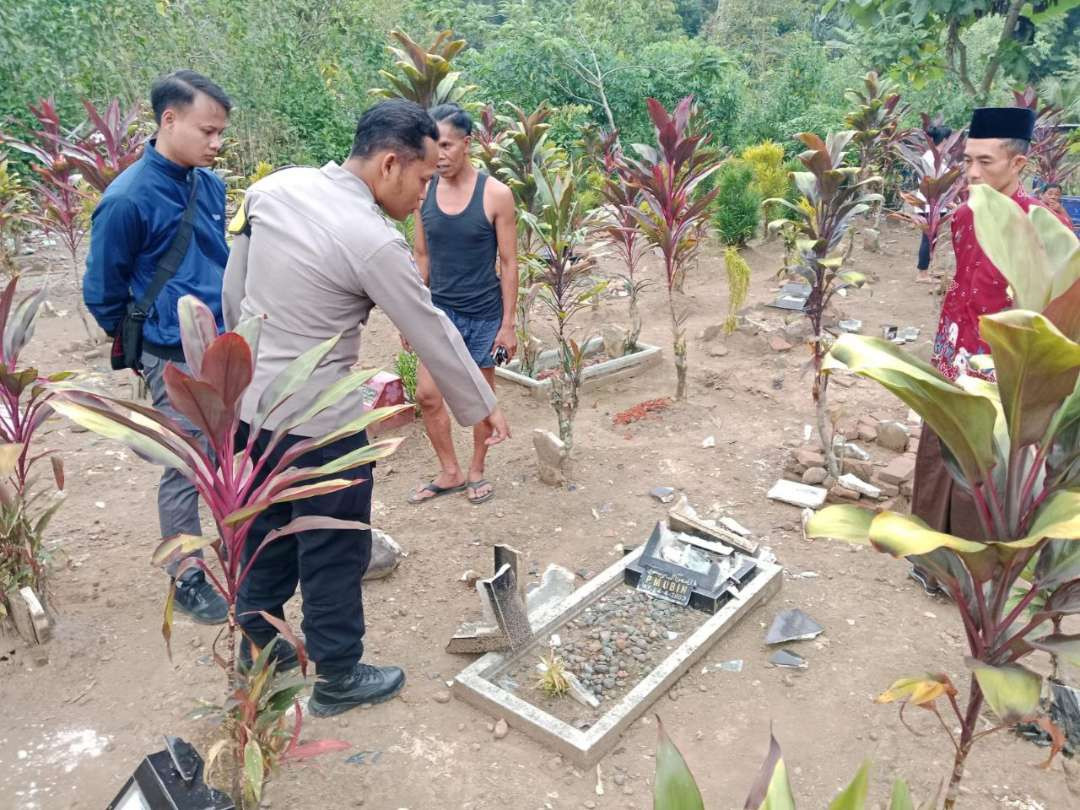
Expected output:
(996, 153)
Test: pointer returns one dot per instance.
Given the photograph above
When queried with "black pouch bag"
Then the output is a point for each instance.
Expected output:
(128, 341)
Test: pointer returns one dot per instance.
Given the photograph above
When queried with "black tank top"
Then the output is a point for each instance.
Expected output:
(461, 256)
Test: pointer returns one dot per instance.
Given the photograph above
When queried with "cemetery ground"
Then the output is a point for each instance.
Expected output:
(77, 715)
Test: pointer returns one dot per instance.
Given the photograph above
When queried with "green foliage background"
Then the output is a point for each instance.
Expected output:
(300, 70)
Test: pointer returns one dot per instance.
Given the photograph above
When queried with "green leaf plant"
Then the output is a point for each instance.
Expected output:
(562, 267)
(26, 504)
(675, 788)
(425, 75)
(833, 195)
(1014, 444)
(227, 480)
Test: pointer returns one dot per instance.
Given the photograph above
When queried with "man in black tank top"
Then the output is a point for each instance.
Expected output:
(465, 222)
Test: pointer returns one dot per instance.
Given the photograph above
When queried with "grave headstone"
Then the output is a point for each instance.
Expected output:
(792, 296)
(382, 391)
(689, 569)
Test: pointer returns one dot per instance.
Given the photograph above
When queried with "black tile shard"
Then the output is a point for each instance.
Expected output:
(788, 660)
(792, 625)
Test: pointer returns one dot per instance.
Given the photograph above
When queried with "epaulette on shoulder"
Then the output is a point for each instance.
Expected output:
(239, 224)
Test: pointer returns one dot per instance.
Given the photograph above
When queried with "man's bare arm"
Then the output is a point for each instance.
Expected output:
(505, 222)
(420, 251)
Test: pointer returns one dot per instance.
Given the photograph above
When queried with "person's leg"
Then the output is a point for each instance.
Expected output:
(332, 566)
(924, 261)
(437, 424)
(484, 489)
(271, 582)
(178, 510)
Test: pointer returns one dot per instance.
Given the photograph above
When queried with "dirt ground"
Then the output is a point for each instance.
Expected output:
(73, 728)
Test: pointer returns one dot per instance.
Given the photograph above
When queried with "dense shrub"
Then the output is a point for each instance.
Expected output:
(771, 179)
(736, 212)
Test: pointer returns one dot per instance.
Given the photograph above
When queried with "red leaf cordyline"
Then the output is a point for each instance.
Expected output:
(1050, 152)
(673, 211)
(940, 174)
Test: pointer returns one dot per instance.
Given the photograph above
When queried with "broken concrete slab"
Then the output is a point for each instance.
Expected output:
(899, 470)
(686, 520)
(801, 495)
(853, 482)
(555, 586)
(477, 639)
(386, 555)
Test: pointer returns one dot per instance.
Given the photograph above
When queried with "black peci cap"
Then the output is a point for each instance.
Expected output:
(1002, 122)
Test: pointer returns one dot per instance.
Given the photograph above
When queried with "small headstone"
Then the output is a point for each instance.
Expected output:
(800, 495)
(551, 455)
(871, 240)
(614, 337)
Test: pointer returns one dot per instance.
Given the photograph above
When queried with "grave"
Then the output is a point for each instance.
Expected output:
(592, 376)
(385, 390)
(624, 638)
(793, 296)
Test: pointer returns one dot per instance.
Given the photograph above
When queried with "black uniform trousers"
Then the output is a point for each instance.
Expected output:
(329, 564)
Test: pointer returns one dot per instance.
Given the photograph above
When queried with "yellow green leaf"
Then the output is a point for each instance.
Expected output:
(674, 787)
(841, 522)
(853, 796)
(1012, 691)
(180, 545)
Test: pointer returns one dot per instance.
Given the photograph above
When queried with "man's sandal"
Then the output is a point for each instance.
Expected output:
(436, 491)
(474, 485)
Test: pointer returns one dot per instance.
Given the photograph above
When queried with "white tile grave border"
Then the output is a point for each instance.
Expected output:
(475, 684)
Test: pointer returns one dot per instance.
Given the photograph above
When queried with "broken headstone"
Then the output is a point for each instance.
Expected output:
(552, 457)
(663, 494)
(852, 325)
(556, 584)
(792, 296)
(508, 607)
(792, 625)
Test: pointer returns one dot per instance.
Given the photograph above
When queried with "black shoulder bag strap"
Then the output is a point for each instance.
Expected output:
(127, 346)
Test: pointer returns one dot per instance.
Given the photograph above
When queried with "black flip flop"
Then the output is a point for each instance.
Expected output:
(476, 485)
(436, 492)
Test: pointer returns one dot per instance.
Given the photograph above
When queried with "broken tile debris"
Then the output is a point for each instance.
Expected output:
(802, 495)
(792, 625)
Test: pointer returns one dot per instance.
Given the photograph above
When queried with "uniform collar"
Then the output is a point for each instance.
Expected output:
(340, 174)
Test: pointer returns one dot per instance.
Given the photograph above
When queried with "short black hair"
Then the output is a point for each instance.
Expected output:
(455, 116)
(178, 89)
(397, 125)
(938, 133)
(1049, 186)
(1016, 146)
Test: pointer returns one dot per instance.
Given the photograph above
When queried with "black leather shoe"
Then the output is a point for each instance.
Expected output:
(197, 598)
(364, 684)
(284, 653)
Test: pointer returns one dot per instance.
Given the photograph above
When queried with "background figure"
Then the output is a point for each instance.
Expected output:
(937, 134)
(132, 230)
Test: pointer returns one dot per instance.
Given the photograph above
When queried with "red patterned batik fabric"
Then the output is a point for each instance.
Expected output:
(977, 289)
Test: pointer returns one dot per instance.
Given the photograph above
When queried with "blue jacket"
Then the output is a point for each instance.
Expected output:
(131, 229)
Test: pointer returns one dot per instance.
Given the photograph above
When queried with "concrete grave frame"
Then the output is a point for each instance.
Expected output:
(476, 684)
(592, 377)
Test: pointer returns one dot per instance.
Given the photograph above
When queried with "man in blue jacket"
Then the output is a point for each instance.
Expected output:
(132, 228)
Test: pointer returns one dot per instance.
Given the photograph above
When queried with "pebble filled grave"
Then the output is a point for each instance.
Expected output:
(611, 646)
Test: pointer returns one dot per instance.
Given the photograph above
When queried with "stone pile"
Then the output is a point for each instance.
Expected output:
(886, 483)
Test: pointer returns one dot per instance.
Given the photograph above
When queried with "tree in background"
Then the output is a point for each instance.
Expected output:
(919, 36)
(426, 77)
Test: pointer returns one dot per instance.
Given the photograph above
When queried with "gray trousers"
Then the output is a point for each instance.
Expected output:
(178, 500)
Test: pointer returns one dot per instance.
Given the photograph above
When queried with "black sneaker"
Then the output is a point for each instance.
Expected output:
(197, 598)
(284, 653)
(364, 684)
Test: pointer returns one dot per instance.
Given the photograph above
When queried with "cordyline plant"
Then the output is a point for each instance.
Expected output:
(618, 228)
(938, 168)
(108, 142)
(1015, 446)
(488, 135)
(524, 153)
(25, 507)
(1050, 154)
(426, 76)
(675, 788)
(562, 267)
(673, 213)
(876, 124)
(14, 204)
(225, 477)
(833, 196)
